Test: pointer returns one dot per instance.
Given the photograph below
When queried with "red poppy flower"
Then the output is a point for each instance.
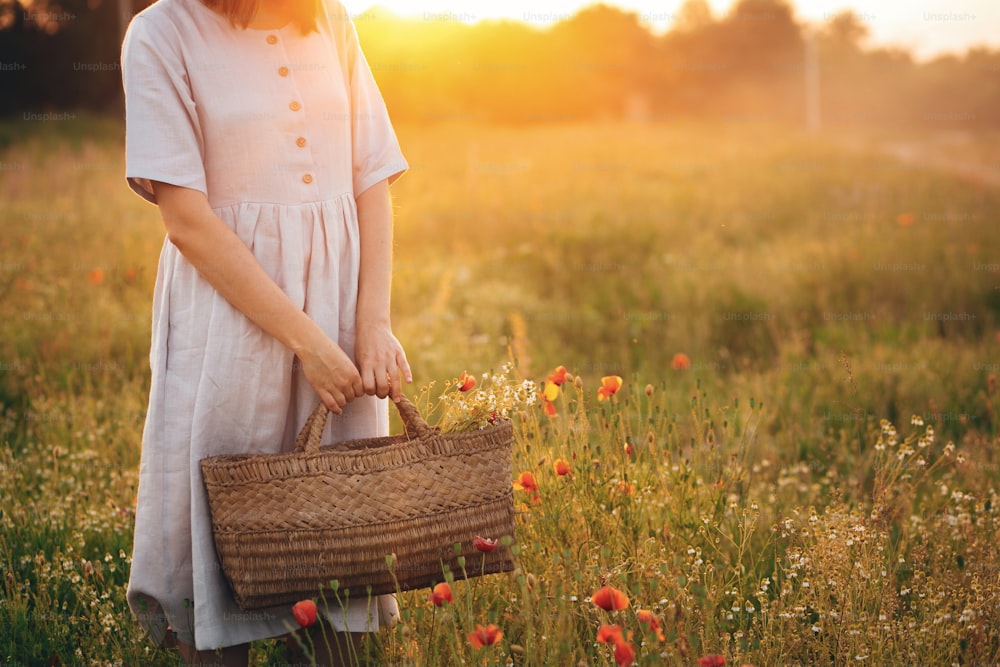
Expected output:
(628, 449)
(609, 598)
(485, 636)
(549, 407)
(96, 277)
(526, 482)
(711, 660)
(441, 594)
(680, 362)
(610, 384)
(905, 219)
(624, 653)
(561, 467)
(558, 376)
(647, 617)
(484, 544)
(304, 612)
(610, 634)
(466, 382)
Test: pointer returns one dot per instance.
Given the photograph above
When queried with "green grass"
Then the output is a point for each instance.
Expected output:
(781, 264)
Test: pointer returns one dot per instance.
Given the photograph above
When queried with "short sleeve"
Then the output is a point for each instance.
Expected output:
(163, 139)
(375, 149)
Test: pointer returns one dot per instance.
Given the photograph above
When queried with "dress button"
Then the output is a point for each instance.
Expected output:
(294, 106)
(300, 142)
(307, 179)
(272, 39)
(283, 71)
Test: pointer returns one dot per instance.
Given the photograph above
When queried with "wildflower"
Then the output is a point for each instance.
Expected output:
(526, 482)
(441, 594)
(610, 634)
(561, 467)
(624, 653)
(905, 219)
(628, 449)
(550, 394)
(484, 544)
(626, 488)
(624, 650)
(304, 612)
(609, 598)
(96, 277)
(711, 660)
(649, 390)
(466, 382)
(680, 362)
(485, 636)
(647, 617)
(610, 384)
(558, 376)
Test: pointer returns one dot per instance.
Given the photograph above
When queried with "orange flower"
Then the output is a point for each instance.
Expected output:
(526, 482)
(624, 654)
(561, 467)
(485, 636)
(624, 650)
(609, 598)
(680, 362)
(96, 277)
(647, 617)
(626, 488)
(711, 660)
(610, 384)
(304, 612)
(610, 634)
(466, 382)
(550, 408)
(905, 219)
(441, 594)
(558, 376)
(484, 544)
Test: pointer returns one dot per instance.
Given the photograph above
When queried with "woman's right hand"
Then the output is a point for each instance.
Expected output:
(331, 373)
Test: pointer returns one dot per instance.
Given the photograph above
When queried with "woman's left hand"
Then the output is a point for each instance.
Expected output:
(381, 361)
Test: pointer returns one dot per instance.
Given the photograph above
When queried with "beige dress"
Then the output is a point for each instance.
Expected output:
(281, 131)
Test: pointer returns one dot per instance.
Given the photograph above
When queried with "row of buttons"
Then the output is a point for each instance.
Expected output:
(294, 105)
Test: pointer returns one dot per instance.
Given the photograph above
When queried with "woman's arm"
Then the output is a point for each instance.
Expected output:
(229, 266)
(379, 355)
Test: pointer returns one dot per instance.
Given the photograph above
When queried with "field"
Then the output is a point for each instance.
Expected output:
(799, 469)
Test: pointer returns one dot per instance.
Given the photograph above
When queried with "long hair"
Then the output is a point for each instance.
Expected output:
(241, 12)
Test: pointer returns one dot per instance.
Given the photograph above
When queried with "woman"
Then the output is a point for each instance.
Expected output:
(257, 128)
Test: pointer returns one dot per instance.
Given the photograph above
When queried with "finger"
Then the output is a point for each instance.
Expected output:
(368, 381)
(404, 366)
(384, 383)
(395, 390)
(358, 387)
(334, 400)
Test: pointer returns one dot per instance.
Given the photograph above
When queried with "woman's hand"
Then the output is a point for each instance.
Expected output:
(381, 361)
(331, 373)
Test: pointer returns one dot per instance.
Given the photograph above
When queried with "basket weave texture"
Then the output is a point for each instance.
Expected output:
(288, 525)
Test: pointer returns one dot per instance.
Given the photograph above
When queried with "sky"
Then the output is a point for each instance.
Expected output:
(925, 27)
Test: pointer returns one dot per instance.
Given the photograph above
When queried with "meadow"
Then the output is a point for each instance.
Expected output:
(800, 467)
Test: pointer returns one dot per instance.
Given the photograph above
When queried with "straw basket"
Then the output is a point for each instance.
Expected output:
(375, 515)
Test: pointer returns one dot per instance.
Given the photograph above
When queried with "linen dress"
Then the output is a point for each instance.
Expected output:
(281, 131)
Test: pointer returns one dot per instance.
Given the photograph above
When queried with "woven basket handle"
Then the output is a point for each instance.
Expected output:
(312, 431)
(309, 437)
(412, 421)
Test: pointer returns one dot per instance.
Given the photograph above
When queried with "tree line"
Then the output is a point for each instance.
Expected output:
(755, 62)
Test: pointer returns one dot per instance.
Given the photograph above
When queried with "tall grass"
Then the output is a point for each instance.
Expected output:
(761, 509)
